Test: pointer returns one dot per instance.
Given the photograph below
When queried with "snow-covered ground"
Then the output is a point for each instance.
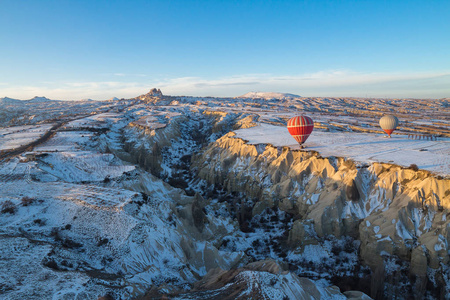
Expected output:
(429, 155)
(268, 95)
(16, 136)
(94, 121)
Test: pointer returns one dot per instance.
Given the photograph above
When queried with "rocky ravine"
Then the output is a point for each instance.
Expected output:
(400, 216)
(381, 228)
(220, 216)
(213, 221)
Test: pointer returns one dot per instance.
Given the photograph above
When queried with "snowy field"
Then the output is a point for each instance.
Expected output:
(65, 141)
(13, 137)
(93, 121)
(433, 156)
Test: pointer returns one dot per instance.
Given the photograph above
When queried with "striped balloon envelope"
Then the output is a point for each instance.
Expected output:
(388, 123)
(300, 128)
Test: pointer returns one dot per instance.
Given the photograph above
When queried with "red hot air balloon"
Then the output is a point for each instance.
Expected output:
(300, 128)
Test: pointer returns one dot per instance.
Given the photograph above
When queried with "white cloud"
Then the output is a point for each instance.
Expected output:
(324, 83)
(77, 90)
(129, 75)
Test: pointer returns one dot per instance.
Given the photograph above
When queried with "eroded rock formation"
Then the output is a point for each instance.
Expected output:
(393, 211)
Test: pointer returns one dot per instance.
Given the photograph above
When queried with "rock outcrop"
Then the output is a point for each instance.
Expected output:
(259, 280)
(153, 96)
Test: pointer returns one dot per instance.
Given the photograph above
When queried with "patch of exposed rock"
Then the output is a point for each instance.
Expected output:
(259, 280)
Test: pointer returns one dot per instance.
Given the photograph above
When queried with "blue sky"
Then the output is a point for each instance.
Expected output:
(102, 49)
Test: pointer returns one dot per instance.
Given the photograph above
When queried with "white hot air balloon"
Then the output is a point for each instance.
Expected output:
(388, 123)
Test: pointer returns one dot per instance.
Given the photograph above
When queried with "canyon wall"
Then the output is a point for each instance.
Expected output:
(396, 214)
(393, 211)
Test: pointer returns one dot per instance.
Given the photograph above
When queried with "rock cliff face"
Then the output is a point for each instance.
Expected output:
(394, 212)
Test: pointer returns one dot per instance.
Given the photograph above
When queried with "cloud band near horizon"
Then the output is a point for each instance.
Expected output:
(334, 83)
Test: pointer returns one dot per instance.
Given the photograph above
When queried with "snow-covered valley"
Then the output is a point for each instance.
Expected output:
(210, 198)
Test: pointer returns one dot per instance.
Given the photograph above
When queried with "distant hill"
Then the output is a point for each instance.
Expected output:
(36, 99)
(269, 95)
(7, 100)
(39, 99)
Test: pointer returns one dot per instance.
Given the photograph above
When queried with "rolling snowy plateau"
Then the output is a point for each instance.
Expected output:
(178, 197)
